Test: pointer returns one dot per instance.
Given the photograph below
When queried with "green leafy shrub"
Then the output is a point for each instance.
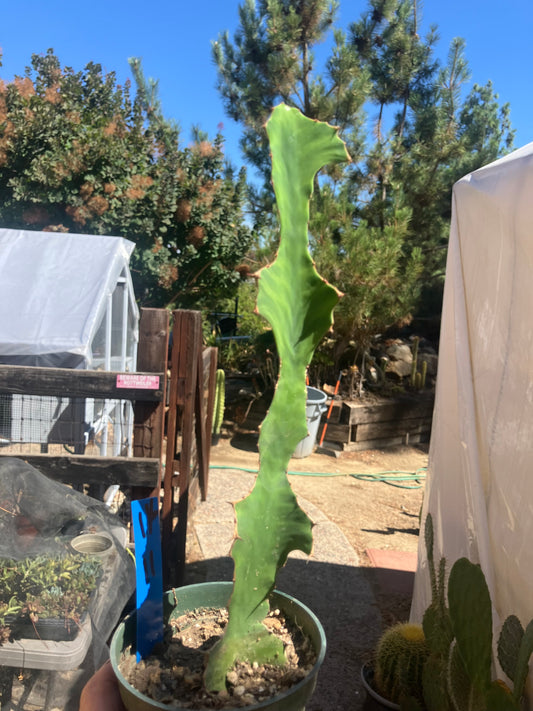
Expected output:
(85, 154)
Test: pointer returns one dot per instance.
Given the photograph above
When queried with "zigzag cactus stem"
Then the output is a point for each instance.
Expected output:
(298, 303)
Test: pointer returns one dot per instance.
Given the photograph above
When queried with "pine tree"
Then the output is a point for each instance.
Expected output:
(409, 131)
(271, 59)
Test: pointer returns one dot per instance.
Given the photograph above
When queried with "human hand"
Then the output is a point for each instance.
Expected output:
(101, 692)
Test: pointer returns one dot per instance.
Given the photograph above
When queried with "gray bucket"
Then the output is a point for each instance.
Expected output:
(314, 407)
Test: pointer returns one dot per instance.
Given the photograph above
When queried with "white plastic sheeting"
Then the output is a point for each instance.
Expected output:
(480, 481)
(54, 290)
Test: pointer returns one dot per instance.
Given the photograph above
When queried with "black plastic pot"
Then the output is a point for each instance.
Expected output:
(46, 628)
(367, 677)
(217, 595)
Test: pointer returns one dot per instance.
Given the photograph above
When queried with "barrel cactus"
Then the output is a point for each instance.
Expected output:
(400, 658)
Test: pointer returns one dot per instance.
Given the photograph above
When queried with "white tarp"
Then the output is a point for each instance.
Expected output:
(54, 289)
(480, 480)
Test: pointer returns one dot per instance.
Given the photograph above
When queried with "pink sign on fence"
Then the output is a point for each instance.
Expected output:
(133, 381)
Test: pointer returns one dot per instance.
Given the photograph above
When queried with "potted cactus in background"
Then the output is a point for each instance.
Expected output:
(298, 303)
(400, 659)
(457, 635)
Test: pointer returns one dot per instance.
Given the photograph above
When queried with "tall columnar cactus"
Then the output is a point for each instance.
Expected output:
(401, 654)
(414, 364)
(220, 399)
(418, 378)
(298, 303)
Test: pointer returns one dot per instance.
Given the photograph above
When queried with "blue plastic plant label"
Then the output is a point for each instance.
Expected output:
(145, 517)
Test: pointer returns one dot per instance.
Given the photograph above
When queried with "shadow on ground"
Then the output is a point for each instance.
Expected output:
(245, 441)
(343, 593)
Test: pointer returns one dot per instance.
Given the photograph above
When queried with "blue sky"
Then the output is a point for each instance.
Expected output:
(173, 39)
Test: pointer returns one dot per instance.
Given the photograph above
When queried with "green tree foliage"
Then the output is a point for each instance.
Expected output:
(380, 226)
(79, 153)
(368, 264)
(271, 59)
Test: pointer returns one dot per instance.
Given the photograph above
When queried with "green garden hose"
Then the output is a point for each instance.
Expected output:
(388, 477)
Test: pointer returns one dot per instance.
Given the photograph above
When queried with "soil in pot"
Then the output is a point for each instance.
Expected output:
(174, 672)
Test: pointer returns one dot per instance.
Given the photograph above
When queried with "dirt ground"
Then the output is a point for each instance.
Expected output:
(371, 513)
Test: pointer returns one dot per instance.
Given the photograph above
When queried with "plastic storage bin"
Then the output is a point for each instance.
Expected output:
(314, 407)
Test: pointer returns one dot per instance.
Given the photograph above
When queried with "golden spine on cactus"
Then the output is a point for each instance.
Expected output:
(401, 654)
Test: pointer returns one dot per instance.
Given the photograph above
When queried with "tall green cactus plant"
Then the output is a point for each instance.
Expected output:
(298, 303)
(220, 399)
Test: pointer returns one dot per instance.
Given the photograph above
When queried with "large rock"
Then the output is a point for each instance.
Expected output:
(400, 359)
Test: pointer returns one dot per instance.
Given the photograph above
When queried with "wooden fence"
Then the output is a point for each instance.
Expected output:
(172, 423)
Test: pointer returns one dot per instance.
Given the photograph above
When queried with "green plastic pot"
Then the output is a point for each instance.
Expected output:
(217, 594)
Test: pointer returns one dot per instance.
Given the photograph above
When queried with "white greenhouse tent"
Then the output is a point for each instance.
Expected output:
(66, 301)
(480, 479)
